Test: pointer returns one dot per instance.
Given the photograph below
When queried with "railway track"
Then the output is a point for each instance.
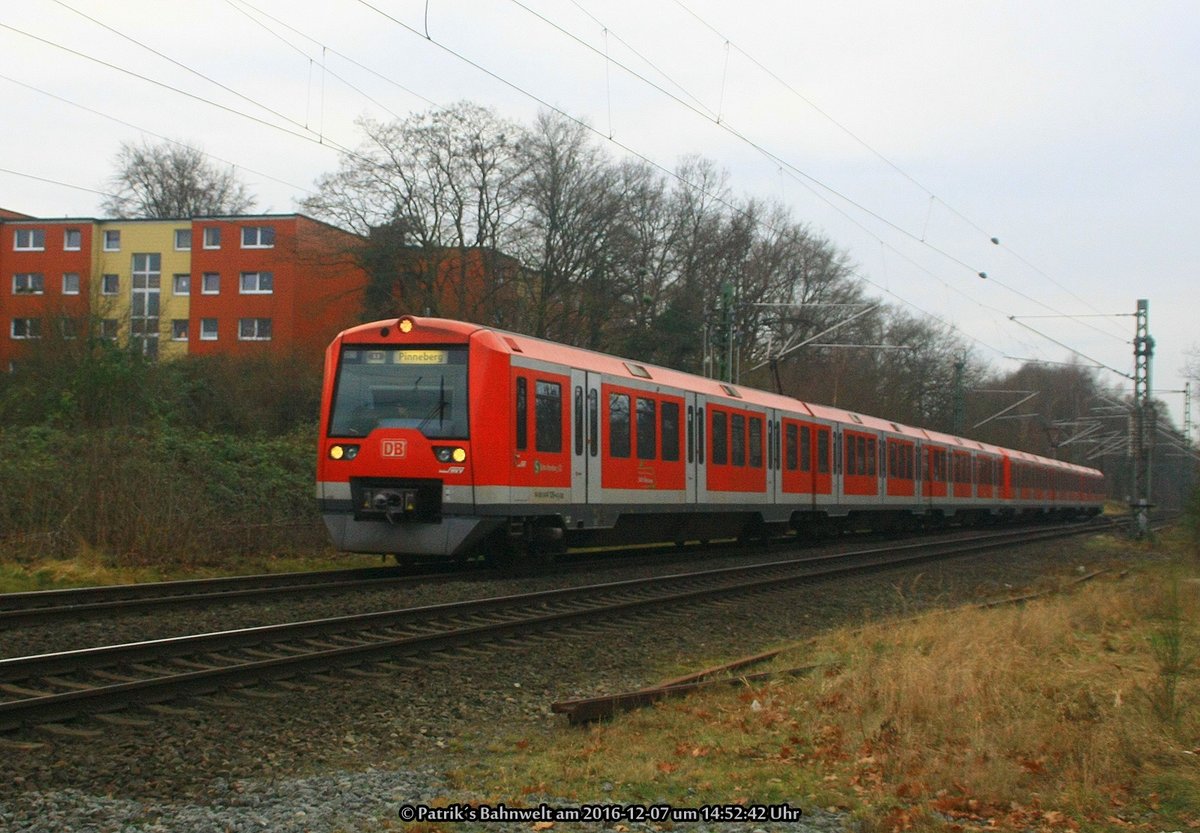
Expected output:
(53, 687)
(43, 606)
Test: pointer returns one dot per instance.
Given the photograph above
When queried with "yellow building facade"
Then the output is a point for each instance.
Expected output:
(141, 292)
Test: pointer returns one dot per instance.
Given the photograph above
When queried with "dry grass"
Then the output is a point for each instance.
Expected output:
(1071, 713)
(88, 567)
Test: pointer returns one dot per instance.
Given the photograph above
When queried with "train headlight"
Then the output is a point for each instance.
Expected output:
(449, 453)
(406, 325)
(343, 452)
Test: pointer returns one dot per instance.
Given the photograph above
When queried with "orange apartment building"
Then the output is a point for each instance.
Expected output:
(202, 285)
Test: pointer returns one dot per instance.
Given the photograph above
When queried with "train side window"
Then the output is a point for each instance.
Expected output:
(737, 439)
(791, 446)
(756, 455)
(850, 463)
(548, 417)
(806, 448)
(593, 422)
(618, 425)
(822, 450)
(700, 436)
(578, 420)
(720, 439)
(871, 456)
(647, 440)
(670, 431)
(522, 414)
(691, 434)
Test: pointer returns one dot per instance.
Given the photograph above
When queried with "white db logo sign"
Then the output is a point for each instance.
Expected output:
(394, 448)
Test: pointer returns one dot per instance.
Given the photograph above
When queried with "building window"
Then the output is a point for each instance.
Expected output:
(258, 237)
(108, 329)
(26, 328)
(30, 283)
(183, 239)
(210, 284)
(257, 283)
(179, 329)
(72, 240)
(208, 329)
(29, 240)
(110, 284)
(254, 329)
(212, 237)
(69, 328)
(112, 240)
(182, 284)
(70, 283)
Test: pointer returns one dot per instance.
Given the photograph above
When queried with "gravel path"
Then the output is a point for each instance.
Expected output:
(344, 753)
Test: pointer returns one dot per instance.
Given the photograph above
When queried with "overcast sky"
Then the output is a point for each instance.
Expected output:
(908, 133)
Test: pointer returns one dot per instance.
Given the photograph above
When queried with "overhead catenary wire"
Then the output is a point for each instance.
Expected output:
(147, 131)
(805, 179)
(933, 197)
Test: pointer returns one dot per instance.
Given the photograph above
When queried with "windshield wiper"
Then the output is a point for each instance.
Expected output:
(439, 410)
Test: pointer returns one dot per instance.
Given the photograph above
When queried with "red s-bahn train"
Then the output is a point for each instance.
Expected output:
(442, 438)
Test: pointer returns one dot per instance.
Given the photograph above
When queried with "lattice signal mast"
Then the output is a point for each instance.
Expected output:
(1143, 418)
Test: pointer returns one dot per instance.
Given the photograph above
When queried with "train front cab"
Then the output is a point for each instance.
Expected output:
(401, 436)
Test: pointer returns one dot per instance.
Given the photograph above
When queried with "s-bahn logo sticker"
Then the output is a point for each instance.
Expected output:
(393, 448)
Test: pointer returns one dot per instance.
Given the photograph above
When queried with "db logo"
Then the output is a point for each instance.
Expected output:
(394, 448)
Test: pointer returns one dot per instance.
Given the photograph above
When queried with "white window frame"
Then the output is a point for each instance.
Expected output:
(112, 240)
(205, 333)
(35, 240)
(67, 246)
(257, 279)
(66, 288)
(32, 329)
(29, 283)
(176, 335)
(104, 290)
(68, 328)
(258, 233)
(256, 336)
(212, 237)
(184, 234)
(204, 290)
(186, 278)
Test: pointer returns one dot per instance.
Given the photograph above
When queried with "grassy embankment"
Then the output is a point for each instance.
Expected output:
(1077, 711)
(116, 469)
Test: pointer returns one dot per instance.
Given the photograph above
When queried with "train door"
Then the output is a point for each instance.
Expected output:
(694, 445)
(773, 461)
(585, 440)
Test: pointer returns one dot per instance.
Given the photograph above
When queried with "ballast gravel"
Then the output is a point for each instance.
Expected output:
(342, 753)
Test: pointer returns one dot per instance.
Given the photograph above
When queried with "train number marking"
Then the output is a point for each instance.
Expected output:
(393, 448)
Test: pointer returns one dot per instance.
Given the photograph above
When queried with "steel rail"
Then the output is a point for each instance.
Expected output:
(40, 606)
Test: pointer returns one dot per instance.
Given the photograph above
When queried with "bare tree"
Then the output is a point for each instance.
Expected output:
(426, 189)
(172, 180)
(572, 205)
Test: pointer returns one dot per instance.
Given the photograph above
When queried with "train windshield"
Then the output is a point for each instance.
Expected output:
(401, 387)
